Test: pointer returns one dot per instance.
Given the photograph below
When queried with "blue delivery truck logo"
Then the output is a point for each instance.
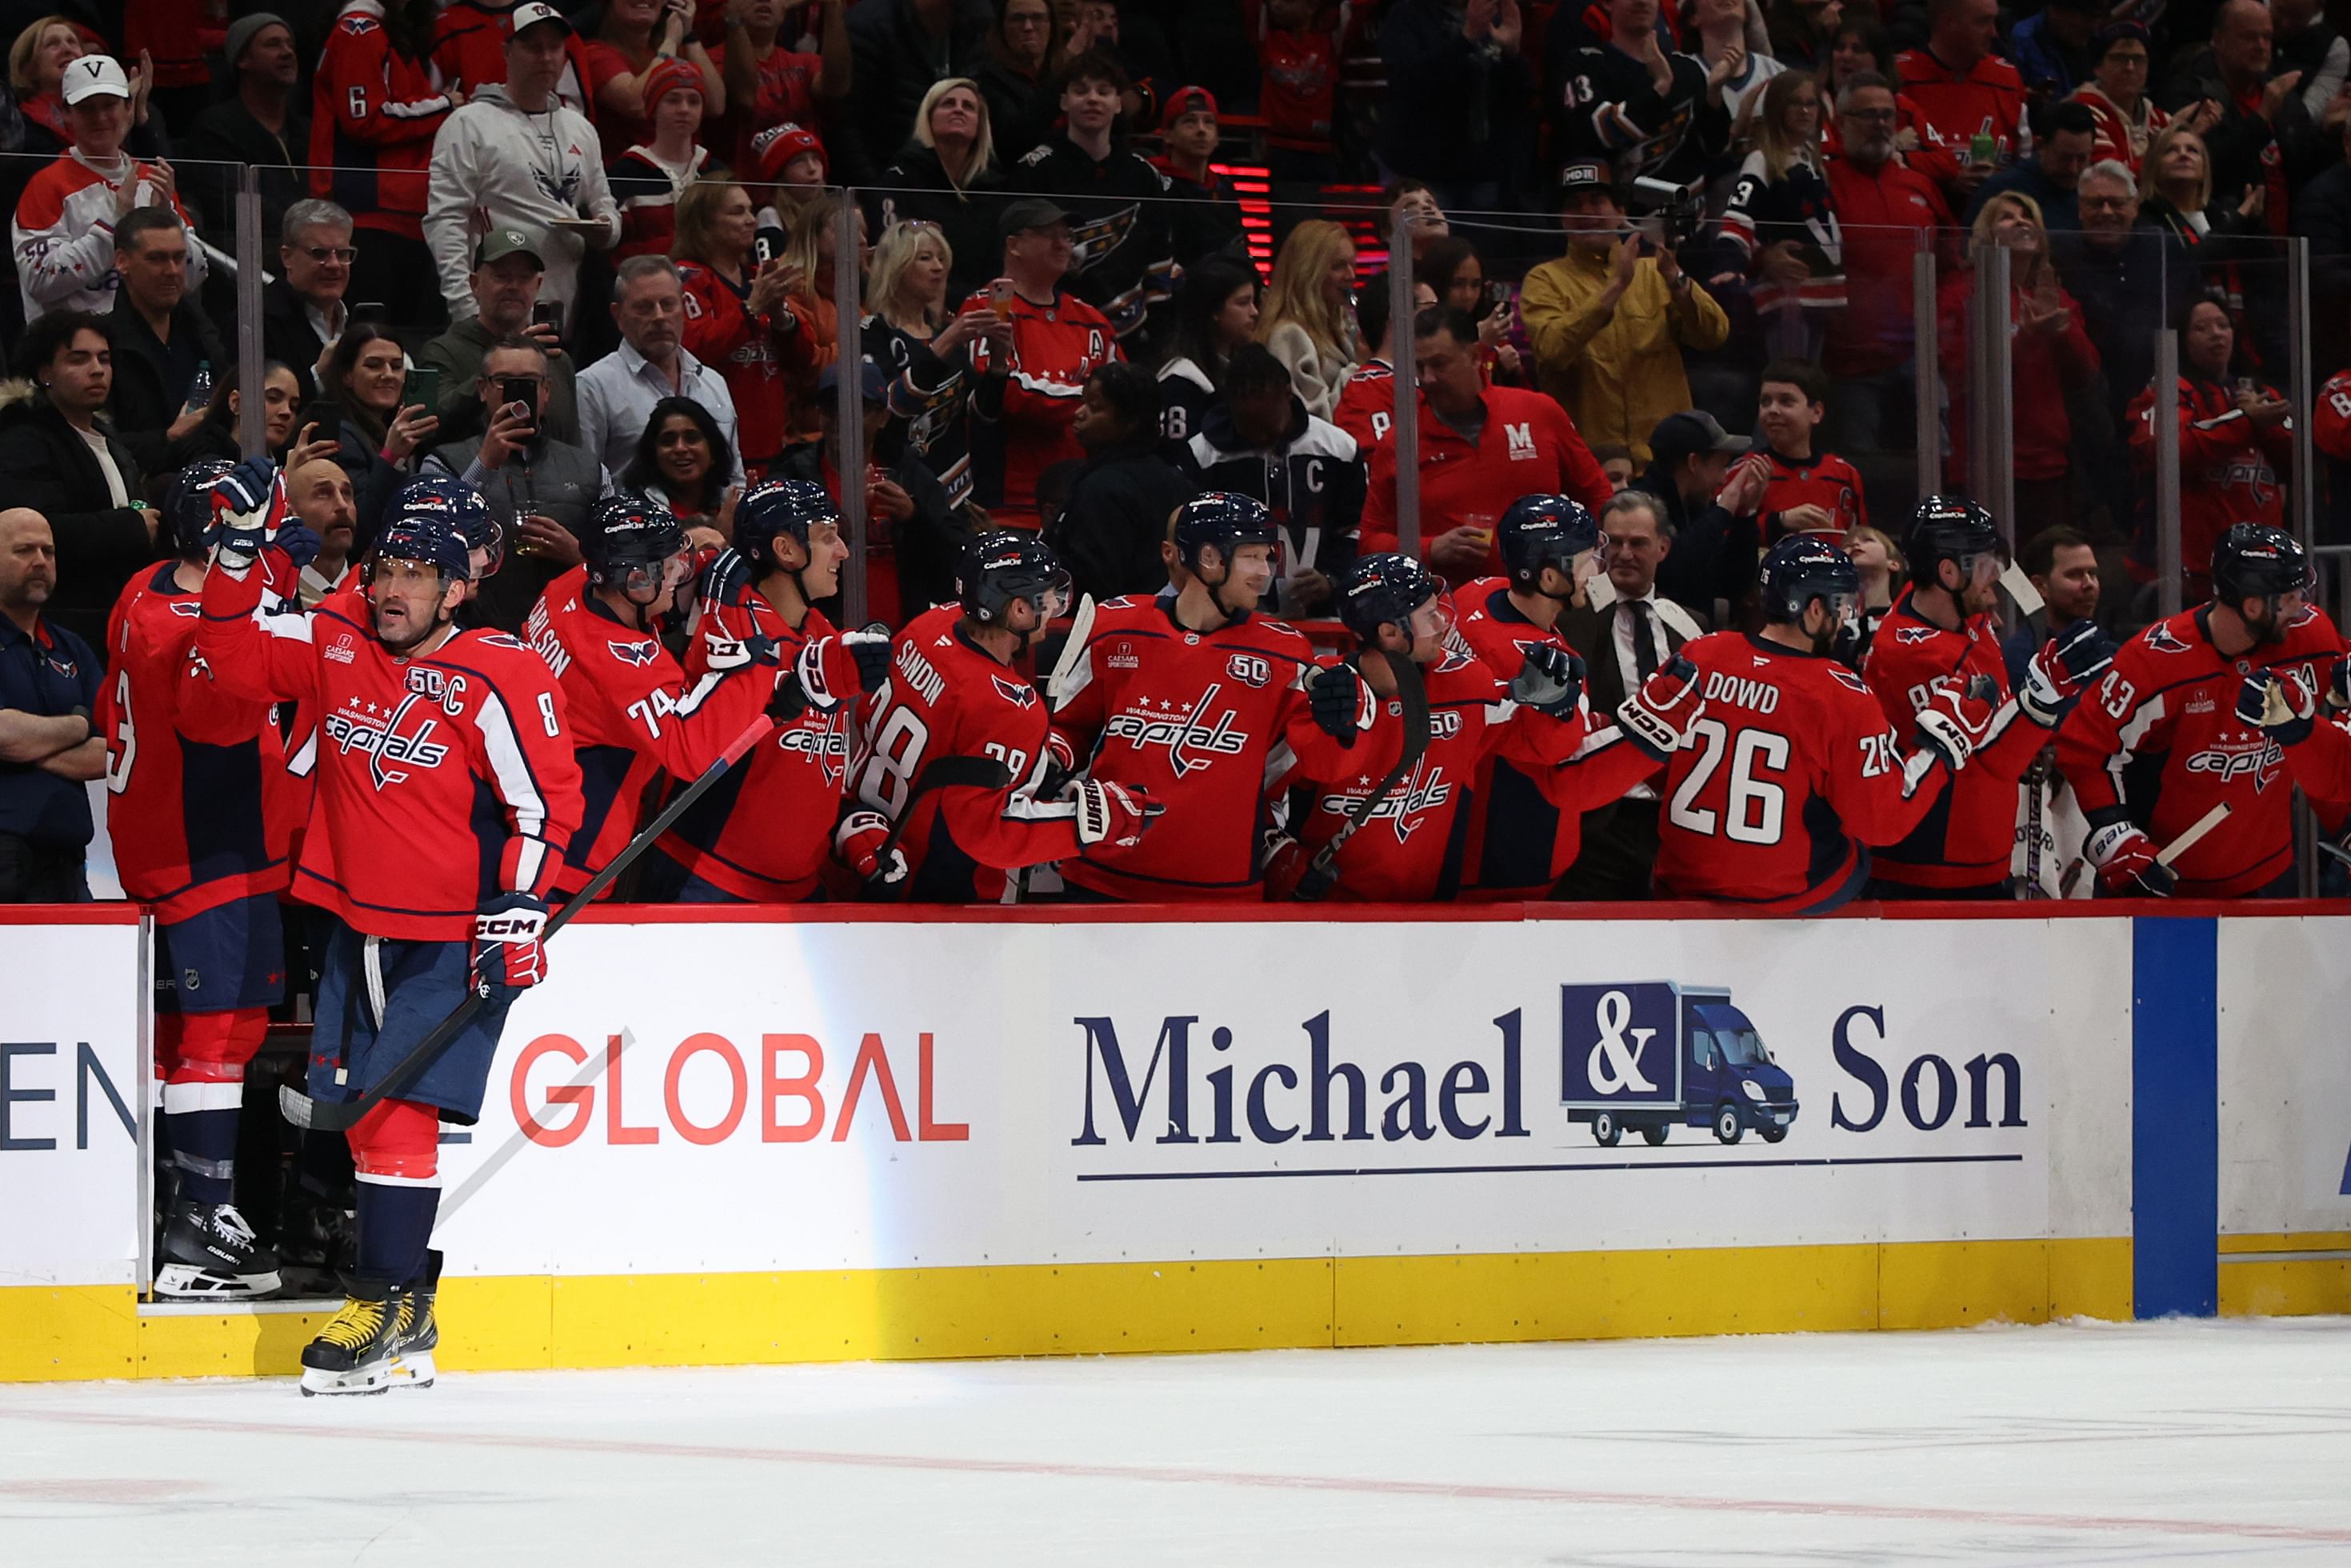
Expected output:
(1655, 1055)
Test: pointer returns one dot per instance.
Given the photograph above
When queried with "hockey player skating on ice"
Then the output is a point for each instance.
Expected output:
(447, 795)
(200, 808)
(763, 833)
(953, 696)
(1205, 703)
(2158, 743)
(1793, 771)
(1941, 633)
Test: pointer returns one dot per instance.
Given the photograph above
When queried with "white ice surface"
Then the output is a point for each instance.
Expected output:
(2162, 1443)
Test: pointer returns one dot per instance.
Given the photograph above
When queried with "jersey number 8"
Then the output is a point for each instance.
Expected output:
(887, 778)
(1756, 808)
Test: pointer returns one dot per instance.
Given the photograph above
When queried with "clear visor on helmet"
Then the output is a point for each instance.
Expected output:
(1053, 601)
(646, 582)
(1979, 571)
(1433, 622)
(1845, 609)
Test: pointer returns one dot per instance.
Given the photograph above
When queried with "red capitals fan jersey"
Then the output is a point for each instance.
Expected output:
(2228, 468)
(1965, 841)
(442, 779)
(632, 713)
(946, 697)
(1020, 421)
(763, 831)
(1791, 770)
(753, 353)
(2158, 742)
(1525, 824)
(1414, 845)
(199, 803)
(373, 115)
(1956, 106)
(1206, 722)
(1822, 480)
(1366, 408)
(469, 49)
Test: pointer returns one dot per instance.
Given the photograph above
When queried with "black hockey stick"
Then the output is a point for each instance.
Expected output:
(939, 773)
(339, 1115)
(1321, 873)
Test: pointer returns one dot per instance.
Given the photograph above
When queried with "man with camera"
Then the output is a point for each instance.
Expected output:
(539, 489)
(1610, 319)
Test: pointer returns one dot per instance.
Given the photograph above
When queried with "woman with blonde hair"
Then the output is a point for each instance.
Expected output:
(811, 243)
(741, 320)
(1781, 226)
(1878, 560)
(36, 65)
(2051, 357)
(946, 175)
(1309, 321)
(917, 335)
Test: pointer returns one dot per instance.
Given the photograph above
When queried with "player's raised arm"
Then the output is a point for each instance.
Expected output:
(251, 654)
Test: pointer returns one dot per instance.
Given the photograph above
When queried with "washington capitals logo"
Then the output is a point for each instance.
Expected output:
(1914, 634)
(387, 741)
(2161, 638)
(1015, 693)
(1425, 791)
(637, 654)
(1192, 740)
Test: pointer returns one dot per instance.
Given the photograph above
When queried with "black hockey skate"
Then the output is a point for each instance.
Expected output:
(210, 1254)
(314, 1241)
(353, 1353)
(420, 1331)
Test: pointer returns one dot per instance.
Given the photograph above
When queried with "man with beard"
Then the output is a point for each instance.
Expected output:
(1940, 635)
(446, 796)
(2158, 743)
(1793, 770)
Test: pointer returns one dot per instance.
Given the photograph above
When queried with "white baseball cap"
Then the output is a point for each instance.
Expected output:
(92, 74)
(531, 15)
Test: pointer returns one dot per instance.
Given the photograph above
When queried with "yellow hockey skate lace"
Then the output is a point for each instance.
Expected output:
(355, 1325)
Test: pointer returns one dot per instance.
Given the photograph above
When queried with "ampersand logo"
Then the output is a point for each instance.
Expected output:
(1613, 1064)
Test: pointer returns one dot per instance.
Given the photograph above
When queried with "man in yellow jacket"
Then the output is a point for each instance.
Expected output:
(1609, 323)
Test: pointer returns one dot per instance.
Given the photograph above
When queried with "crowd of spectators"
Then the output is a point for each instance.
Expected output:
(1657, 252)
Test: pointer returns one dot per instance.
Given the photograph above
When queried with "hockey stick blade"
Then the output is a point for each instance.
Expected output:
(1321, 873)
(939, 773)
(2329, 847)
(1082, 631)
(339, 1115)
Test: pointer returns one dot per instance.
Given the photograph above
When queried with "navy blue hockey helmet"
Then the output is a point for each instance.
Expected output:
(1542, 530)
(1002, 567)
(779, 507)
(2254, 561)
(1224, 519)
(1801, 568)
(630, 541)
(460, 506)
(1952, 528)
(427, 540)
(187, 515)
(1385, 591)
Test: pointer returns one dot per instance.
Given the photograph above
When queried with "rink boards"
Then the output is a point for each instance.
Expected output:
(847, 1135)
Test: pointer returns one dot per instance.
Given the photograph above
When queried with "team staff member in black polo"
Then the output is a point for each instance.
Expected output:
(48, 689)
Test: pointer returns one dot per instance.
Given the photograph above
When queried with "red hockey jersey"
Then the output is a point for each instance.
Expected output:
(469, 49)
(1822, 480)
(1791, 772)
(442, 779)
(373, 115)
(763, 831)
(198, 798)
(2228, 468)
(753, 353)
(946, 697)
(1207, 722)
(632, 713)
(2158, 742)
(1956, 106)
(1366, 407)
(1020, 422)
(1415, 844)
(1526, 825)
(1965, 841)
(1298, 85)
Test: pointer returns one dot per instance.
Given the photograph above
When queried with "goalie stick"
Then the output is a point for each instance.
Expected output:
(1321, 873)
(339, 1115)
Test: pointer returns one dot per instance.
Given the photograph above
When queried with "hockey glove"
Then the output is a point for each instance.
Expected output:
(859, 843)
(300, 545)
(506, 951)
(2338, 685)
(1334, 694)
(247, 505)
(2278, 705)
(1114, 814)
(2057, 674)
(789, 701)
(873, 651)
(1550, 681)
(1285, 862)
(1954, 720)
(833, 670)
(726, 580)
(1060, 766)
(2126, 861)
(1658, 716)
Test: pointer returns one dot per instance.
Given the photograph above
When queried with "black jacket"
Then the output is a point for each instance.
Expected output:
(286, 335)
(1312, 482)
(925, 548)
(890, 60)
(1122, 261)
(226, 135)
(916, 189)
(1021, 111)
(46, 464)
(144, 403)
(1450, 103)
(1701, 567)
(2237, 143)
(1108, 532)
